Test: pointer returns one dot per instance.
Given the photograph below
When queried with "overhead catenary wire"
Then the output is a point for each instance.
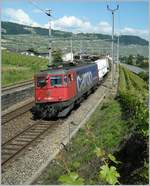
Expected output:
(35, 4)
(48, 13)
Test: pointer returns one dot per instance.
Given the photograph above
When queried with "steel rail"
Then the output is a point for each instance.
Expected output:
(17, 85)
(24, 139)
(17, 112)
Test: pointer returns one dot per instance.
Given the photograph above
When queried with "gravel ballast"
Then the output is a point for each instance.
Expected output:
(28, 166)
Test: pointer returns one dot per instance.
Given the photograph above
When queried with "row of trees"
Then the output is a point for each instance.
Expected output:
(138, 60)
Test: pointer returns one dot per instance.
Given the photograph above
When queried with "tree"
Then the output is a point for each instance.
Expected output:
(123, 59)
(144, 76)
(57, 57)
(139, 60)
(130, 60)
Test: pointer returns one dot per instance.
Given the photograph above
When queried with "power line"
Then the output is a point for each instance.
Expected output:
(35, 4)
(48, 13)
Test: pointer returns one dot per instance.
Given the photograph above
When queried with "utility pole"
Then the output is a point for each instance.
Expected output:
(32, 39)
(118, 50)
(113, 11)
(48, 13)
(71, 49)
(81, 46)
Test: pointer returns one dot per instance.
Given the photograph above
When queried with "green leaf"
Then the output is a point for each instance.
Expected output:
(99, 152)
(76, 164)
(113, 158)
(72, 178)
(110, 175)
(104, 171)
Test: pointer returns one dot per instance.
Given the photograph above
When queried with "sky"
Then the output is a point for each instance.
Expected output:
(88, 16)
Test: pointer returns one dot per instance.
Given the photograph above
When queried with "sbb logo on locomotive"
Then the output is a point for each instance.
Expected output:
(83, 81)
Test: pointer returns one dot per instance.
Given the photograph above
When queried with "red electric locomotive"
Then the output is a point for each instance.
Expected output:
(57, 90)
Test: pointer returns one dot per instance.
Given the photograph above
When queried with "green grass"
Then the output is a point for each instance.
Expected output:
(16, 67)
(108, 128)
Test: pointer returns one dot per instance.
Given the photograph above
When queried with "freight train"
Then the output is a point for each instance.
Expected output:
(58, 90)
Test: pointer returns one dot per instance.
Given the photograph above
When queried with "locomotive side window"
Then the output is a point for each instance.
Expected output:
(70, 77)
(56, 80)
(65, 80)
(41, 82)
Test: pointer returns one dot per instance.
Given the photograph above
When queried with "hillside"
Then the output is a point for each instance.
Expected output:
(9, 28)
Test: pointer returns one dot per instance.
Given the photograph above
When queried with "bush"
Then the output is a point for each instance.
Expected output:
(57, 57)
(132, 96)
(144, 76)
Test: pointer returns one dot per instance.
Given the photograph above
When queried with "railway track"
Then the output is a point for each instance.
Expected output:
(14, 87)
(16, 113)
(18, 143)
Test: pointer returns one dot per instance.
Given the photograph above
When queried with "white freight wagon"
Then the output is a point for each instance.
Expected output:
(103, 67)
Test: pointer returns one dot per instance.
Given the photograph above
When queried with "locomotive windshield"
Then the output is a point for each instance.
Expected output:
(41, 82)
(56, 80)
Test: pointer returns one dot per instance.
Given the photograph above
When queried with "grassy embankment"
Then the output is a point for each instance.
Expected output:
(88, 153)
(17, 68)
(107, 127)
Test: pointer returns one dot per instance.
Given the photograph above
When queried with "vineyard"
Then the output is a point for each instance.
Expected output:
(133, 97)
(133, 93)
(112, 148)
(17, 67)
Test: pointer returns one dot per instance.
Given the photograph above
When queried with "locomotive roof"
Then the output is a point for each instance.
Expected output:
(63, 69)
(52, 71)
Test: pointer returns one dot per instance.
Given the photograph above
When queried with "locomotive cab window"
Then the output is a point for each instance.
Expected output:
(56, 80)
(41, 82)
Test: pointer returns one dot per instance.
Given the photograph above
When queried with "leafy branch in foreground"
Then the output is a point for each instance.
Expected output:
(72, 178)
(106, 173)
(109, 174)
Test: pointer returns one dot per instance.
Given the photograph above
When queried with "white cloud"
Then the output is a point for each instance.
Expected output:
(74, 24)
(19, 16)
(70, 23)
(104, 27)
(132, 31)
